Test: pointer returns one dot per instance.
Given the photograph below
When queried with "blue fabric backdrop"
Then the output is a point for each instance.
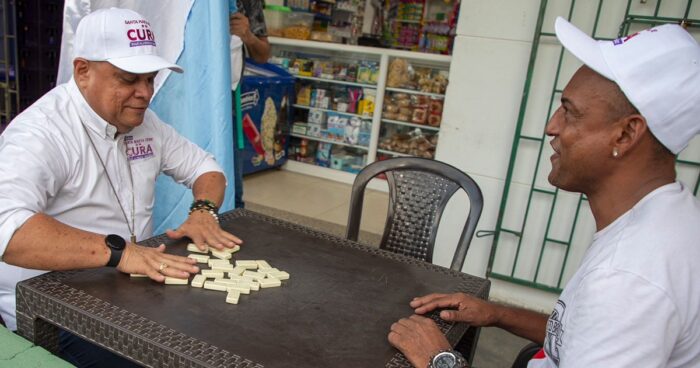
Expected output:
(198, 104)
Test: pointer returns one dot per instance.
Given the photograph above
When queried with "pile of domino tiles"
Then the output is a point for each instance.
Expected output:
(244, 276)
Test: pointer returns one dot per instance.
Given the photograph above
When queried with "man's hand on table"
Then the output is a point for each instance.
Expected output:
(418, 338)
(204, 230)
(155, 263)
(463, 308)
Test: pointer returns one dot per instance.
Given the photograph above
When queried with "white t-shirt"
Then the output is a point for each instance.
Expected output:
(48, 165)
(635, 300)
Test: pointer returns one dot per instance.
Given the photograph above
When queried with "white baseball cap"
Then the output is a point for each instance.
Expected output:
(123, 38)
(658, 69)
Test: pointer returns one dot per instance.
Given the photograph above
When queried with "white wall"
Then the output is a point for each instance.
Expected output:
(487, 75)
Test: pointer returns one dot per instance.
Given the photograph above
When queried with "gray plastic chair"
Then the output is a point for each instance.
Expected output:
(419, 190)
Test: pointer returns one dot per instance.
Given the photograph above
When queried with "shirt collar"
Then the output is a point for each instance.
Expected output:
(88, 116)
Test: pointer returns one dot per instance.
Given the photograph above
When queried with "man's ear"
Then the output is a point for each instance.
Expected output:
(632, 129)
(81, 70)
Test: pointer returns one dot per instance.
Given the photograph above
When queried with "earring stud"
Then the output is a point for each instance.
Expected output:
(615, 152)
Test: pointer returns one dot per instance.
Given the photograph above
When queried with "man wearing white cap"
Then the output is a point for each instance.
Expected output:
(635, 300)
(82, 162)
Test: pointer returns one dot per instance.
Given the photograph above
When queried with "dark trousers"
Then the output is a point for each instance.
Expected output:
(238, 174)
(82, 353)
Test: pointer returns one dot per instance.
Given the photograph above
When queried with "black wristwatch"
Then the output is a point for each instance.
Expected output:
(447, 359)
(116, 245)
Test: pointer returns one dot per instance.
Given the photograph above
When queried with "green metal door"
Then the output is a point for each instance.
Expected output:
(542, 232)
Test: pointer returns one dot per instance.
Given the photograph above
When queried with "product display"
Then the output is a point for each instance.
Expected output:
(336, 98)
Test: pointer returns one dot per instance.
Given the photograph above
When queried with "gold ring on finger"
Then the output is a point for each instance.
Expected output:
(162, 266)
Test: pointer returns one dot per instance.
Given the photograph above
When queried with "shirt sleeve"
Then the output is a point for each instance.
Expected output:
(256, 17)
(33, 170)
(619, 319)
(183, 160)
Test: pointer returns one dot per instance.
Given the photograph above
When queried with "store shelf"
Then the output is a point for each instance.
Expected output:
(332, 174)
(407, 21)
(319, 139)
(414, 92)
(392, 153)
(405, 123)
(333, 111)
(377, 51)
(373, 86)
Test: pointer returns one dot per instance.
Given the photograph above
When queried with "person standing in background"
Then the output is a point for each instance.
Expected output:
(248, 23)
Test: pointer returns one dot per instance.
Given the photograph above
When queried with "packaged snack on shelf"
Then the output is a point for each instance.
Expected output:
(274, 19)
(352, 130)
(320, 98)
(374, 73)
(434, 120)
(341, 99)
(305, 67)
(315, 130)
(366, 105)
(354, 96)
(336, 127)
(352, 73)
(365, 132)
(323, 154)
(436, 105)
(298, 25)
(304, 95)
(420, 115)
(364, 72)
(398, 73)
(316, 116)
(327, 70)
(300, 128)
(439, 83)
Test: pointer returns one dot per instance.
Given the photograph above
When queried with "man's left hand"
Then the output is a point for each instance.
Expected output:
(204, 230)
(418, 338)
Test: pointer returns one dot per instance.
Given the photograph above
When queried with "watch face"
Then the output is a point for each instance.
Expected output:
(445, 360)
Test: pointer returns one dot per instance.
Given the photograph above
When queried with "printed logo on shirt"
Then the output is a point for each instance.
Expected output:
(555, 332)
(138, 149)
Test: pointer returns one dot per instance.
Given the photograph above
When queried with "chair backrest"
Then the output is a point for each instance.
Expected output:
(419, 190)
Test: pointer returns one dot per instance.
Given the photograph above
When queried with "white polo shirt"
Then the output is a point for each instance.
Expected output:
(48, 165)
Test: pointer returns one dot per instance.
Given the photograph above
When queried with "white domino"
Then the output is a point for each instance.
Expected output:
(220, 254)
(235, 249)
(192, 247)
(198, 281)
(176, 281)
(268, 271)
(237, 271)
(216, 261)
(269, 283)
(252, 285)
(226, 282)
(254, 275)
(232, 297)
(200, 258)
(248, 265)
(239, 288)
(222, 267)
(281, 275)
(263, 265)
(212, 274)
(137, 275)
(211, 285)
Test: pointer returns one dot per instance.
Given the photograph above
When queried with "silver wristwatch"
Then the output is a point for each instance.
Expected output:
(447, 359)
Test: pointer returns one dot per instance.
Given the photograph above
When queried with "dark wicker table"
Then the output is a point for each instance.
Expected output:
(335, 310)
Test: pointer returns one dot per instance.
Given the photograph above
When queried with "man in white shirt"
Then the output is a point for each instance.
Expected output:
(82, 162)
(635, 300)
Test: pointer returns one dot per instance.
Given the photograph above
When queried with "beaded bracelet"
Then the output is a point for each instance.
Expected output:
(206, 206)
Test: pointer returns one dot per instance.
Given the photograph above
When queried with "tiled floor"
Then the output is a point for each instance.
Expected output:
(323, 204)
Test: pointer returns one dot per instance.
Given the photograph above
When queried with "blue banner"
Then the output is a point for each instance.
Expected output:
(198, 104)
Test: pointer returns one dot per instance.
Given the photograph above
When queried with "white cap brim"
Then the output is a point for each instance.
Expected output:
(141, 64)
(582, 46)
